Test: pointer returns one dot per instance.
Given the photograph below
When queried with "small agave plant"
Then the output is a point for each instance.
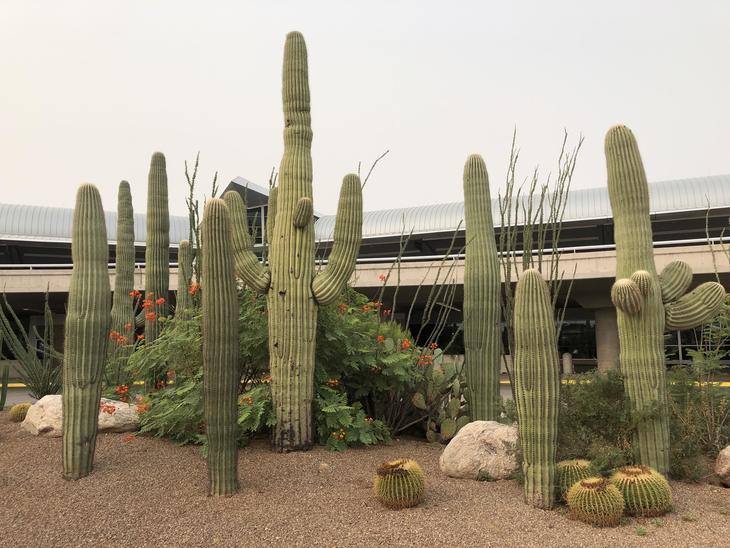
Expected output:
(440, 395)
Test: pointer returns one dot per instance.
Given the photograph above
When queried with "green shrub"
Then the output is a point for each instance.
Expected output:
(594, 421)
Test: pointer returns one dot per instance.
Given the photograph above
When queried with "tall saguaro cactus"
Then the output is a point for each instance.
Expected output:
(293, 290)
(122, 303)
(537, 385)
(183, 299)
(221, 376)
(87, 326)
(647, 304)
(482, 341)
(157, 252)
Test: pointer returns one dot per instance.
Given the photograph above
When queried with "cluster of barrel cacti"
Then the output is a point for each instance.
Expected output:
(440, 397)
(632, 490)
(647, 304)
(293, 289)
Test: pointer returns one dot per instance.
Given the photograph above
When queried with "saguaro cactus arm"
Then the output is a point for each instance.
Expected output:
(330, 281)
(248, 267)
(675, 280)
(183, 300)
(626, 296)
(695, 308)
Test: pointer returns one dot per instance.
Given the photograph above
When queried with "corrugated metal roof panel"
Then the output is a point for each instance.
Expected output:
(582, 204)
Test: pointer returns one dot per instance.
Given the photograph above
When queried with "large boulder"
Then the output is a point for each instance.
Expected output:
(45, 417)
(722, 466)
(484, 450)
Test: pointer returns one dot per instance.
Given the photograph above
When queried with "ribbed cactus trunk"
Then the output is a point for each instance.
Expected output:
(157, 252)
(123, 312)
(482, 341)
(293, 290)
(537, 385)
(647, 304)
(87, 327)
(183, 300)
(221, 375)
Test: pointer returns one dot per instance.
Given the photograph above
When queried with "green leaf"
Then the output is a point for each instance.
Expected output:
(419, 401)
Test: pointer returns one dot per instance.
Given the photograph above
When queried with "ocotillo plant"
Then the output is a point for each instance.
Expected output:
(184, 301)
(647, 304)
(87, 327)
(293, 289)
(482, 341)
(221, 376)
(157, 252)
(537, 385)
(122, 302)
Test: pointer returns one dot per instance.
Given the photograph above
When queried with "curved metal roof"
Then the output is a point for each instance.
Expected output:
(582, 204)
(53, 224)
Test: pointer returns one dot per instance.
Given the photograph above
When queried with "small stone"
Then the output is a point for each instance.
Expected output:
(324, 468)
(45, 417)
(481, 450)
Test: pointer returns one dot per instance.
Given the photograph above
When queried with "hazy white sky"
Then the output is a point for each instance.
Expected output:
(90, 89)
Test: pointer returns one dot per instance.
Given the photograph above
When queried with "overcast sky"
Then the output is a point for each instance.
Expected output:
(90, 89)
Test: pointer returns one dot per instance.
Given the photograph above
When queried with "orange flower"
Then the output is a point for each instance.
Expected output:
(333, 382)
(113, 335)
(170, 375)
(147, 303)
(433, 346)
(127, 326)
(159, 385)
(425, 359)
(140, 337)
(194, 288)
(142, 408)
(150, 316)
(134, 294)
(369, 419)
(342, 308)
(382, 277)
(405, 344)
(380, 339)
(248, 400)
(386, 312)
(150, 294)
(121, 389)
(366, 308)
(161, 300)
(128, 438)
(266, 379)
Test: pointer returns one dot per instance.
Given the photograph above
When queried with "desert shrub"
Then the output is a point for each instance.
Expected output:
(594, 421)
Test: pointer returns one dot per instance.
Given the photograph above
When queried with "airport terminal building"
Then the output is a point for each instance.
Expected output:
(688, 216)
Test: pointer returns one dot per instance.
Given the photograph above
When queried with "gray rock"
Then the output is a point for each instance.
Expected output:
(484, 450)
(722, 466)
(45, 417)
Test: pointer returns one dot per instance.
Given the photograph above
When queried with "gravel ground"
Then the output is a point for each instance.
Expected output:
(149, 492)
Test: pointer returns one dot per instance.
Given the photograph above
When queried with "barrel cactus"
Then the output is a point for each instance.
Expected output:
(18, 411)
(122, 322)
(569, 472)
(399, 484)
(596, 501)
(647, 304)
(293, 289)
(157, 252)
(482, 284)
(537, 384)
(221, 376)
(183, 299)
(87, 327)
(645, 491)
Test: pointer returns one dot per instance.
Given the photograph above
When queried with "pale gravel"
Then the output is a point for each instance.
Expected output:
(150, 492)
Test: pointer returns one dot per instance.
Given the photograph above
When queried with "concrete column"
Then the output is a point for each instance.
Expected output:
(607, 345)
(567, 363)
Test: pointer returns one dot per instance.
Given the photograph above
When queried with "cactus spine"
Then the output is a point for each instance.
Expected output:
(87, 326)
(157, 252)
(482, 342)
(293, 290)
(537, 382)
(639, 295)
(184, 301)
(122, 302)
(221, 377)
